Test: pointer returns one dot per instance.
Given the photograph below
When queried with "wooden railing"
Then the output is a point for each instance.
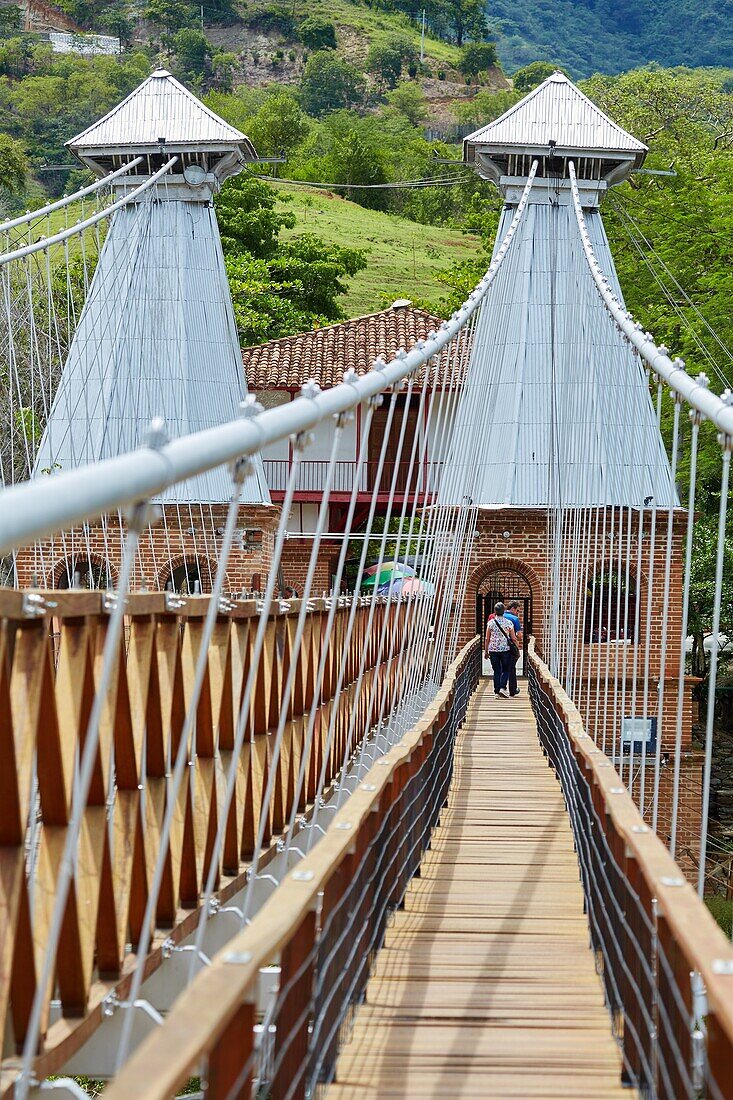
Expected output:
(666, 965)
(321, 928)
(50, 658)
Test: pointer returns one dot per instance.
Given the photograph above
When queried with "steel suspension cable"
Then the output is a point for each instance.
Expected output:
(67, 200)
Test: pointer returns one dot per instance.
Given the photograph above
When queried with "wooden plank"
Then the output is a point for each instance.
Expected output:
(486, 986)
(169, 1055)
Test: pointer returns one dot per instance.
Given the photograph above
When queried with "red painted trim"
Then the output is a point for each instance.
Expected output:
(304, 497)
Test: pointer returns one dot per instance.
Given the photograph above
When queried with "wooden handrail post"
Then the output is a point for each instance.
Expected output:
(675, 1020)
(229, 1075)
(297, 965)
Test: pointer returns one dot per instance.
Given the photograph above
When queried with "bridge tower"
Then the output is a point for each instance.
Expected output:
(577, 505)
(156, 343)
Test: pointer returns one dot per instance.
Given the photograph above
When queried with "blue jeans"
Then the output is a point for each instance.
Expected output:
(501, 664)
(513, 686)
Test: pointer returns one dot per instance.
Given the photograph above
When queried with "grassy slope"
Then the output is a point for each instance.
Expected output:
(358, 26)
(402, 256)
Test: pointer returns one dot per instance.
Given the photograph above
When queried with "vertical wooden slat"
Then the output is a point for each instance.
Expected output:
(228, 1077)
(291, 1041)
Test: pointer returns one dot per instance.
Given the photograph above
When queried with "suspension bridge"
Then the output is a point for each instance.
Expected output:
(278, 847)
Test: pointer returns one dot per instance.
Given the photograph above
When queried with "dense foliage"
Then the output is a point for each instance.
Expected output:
(278, 287)
(590, 35)
(46, 98)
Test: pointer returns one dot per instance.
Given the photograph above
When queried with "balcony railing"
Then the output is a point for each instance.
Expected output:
(422, 480)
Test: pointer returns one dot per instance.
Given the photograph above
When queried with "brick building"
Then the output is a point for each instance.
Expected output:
(568, 501)
(277, 370)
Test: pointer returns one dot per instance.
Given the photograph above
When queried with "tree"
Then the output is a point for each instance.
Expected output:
(318, 33)
(467, 19)
(169, 15)
(10, 19)
(274, 17)
(223, 68)
(355, 160)
(330, 83)
(484, 107)
(115, 20)
(110, 16)
(21, 57)
(477, 58)
(702, 590)
(316, 270)
(279, 126)
(530, 76)
(248, 221)
(219, 11)
(13, 165)
(278, 287)
(192, 52)
(385, 59)
(409, 100)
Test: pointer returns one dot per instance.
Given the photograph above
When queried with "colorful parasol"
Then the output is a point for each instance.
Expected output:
(386, 574)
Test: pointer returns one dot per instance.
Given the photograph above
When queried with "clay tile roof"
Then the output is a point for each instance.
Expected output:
(326, 353)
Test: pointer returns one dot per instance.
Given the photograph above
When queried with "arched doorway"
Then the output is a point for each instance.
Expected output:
(505, 585)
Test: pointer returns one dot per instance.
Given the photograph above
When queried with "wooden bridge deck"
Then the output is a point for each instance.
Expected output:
(486, 986)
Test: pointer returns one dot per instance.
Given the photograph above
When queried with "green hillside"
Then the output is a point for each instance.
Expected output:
(610, 36)
(403, 256)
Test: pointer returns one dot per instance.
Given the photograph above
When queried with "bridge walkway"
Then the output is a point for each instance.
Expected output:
(486, 986)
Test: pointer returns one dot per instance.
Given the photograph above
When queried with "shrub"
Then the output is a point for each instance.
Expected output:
(441, 74)
(531, 75)
(385, 59)
(274, 17)
(318, 33)
(476, 58)
(330, 83)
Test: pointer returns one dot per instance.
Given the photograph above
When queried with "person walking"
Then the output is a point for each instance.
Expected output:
(512, 614)
(500, 638)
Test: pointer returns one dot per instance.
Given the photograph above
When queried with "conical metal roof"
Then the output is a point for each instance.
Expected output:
(569, 417)
(160, 111)
(556, 113)
(157, 338)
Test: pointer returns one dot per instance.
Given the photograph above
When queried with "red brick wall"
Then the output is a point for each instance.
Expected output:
(525, 551)
(295, 559)
(186, 535)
